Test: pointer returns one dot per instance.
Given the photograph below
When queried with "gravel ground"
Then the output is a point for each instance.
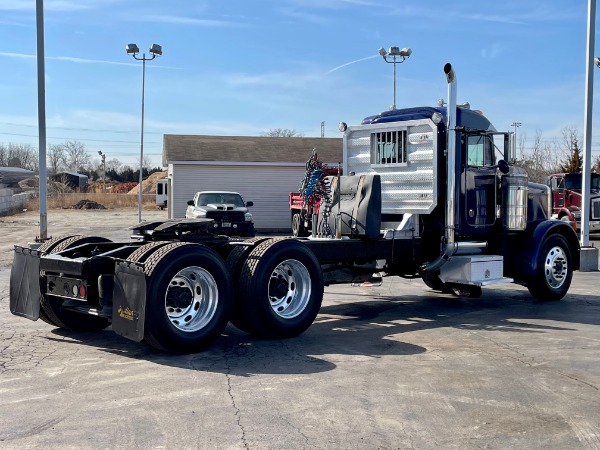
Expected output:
(111, 223)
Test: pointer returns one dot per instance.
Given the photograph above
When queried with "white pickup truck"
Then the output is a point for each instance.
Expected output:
(227, 209)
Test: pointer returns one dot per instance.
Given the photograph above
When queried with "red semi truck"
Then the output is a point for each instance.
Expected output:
(566, 198)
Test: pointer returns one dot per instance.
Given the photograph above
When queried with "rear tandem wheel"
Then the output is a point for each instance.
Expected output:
(280, 288)
(189, 296)
(235, 262)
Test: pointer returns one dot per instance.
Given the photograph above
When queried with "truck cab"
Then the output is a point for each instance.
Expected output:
(567, 197)
(228, 210)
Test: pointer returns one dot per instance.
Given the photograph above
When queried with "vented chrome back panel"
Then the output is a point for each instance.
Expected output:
(409, 187)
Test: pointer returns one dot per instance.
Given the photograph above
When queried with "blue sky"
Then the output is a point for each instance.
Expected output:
(242, 67)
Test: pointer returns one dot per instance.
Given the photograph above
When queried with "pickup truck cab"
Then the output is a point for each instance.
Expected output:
(228, 210)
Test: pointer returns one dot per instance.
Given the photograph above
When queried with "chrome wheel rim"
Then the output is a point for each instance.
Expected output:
(556, 267)
(191, 299)
(289, 289)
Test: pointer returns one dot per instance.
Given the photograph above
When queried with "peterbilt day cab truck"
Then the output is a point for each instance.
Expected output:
(428, 194)
(566, 196)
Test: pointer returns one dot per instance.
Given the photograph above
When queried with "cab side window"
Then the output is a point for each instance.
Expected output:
(480, 151)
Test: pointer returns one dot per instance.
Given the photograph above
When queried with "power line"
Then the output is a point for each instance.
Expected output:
(78, 139)
(99, 130)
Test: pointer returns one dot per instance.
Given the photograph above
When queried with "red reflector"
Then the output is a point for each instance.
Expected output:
(82, 291)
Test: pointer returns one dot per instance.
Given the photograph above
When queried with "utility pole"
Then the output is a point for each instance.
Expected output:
(322, 129)
(41, 79)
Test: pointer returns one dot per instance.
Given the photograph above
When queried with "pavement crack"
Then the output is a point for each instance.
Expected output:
(238, 413)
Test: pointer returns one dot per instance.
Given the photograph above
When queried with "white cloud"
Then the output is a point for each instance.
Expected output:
(181, 20)
(76, 60)
(492, 51)
(352, 62)
(53, 5)
(284, 80)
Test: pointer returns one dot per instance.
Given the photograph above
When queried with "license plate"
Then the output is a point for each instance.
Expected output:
(226, 224)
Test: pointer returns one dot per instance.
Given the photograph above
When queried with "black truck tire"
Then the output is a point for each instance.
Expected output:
(280, 288)
(234, 262)
(189, 297)
(554, 270)
(51, 310)
(142, 253)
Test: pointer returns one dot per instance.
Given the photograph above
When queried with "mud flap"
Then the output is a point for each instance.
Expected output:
(129, 300)
(25, 293)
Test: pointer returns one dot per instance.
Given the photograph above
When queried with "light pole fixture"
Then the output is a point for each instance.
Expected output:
(398, 57)
(133, 50)
(103, 156)
(516, 125)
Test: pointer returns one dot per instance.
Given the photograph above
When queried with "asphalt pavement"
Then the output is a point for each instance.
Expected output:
(384, 367)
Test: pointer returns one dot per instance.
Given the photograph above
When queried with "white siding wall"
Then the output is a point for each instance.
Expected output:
(267, 186)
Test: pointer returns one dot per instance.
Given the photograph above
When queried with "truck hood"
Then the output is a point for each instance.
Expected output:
(222, 207)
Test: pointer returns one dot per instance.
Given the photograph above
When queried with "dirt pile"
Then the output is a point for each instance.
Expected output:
(53, 187)
(149, 184)
(87, 204)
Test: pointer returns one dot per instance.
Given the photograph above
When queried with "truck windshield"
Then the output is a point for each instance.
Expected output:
(219, 199)
(575, 181)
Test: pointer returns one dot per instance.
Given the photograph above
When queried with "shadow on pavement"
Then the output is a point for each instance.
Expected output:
(365, 323)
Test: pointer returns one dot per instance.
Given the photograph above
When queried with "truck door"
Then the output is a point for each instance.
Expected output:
(479, 181)
(557, 187)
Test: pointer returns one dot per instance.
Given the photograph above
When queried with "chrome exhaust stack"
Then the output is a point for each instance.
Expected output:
(449, 242)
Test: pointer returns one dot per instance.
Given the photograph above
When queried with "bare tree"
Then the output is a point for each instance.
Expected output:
(147, 163)
(596, 165)
(76, 155)
(19, 155)
(570, 145)
(539, 161)
(56, 158)
(113, 164)
(281, 132)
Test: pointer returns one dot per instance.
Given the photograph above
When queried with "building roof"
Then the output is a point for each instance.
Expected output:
(70, 173)
(177, 147)
(10, 175)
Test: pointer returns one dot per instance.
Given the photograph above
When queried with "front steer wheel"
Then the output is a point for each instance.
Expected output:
(554, 270)
(189, 297)
(280, 289)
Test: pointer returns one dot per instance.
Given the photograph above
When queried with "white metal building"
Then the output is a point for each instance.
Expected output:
(263, 169)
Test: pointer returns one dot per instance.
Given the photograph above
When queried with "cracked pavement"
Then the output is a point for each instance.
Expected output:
(388, 367)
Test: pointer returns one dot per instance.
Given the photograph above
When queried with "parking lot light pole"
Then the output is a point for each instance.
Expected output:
(395, 52)
(516, 125)
(133, 50)
(103, 156)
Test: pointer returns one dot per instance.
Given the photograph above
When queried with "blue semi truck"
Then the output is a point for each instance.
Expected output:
(428, 192)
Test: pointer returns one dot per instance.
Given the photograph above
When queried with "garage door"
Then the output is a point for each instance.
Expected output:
(267, 186)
